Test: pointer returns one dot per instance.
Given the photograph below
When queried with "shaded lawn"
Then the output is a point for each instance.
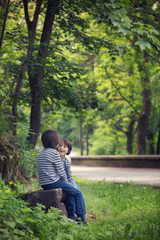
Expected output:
(122, 211)
(114, 212)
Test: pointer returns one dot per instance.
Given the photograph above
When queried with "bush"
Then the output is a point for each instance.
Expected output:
(18, 221)
(27, 155)
(28, 160)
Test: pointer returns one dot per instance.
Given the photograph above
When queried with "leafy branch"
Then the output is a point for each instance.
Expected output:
(123, 97)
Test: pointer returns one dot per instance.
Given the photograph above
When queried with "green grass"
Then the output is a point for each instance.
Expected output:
(114, 212)
(122, 211)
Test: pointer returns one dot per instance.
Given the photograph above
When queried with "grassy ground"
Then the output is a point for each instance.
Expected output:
(114, 212)
(122, 211)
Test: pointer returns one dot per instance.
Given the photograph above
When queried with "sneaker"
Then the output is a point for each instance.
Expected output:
(74, 218)
(78, 220)
(81, 219)
(85, 222)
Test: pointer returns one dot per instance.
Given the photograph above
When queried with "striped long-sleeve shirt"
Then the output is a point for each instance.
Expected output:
(67, 168)
(50, 167)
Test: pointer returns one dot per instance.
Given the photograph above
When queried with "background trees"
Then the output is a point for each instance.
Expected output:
(89, 69)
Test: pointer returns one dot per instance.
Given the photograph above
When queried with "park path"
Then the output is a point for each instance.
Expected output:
(143, 176)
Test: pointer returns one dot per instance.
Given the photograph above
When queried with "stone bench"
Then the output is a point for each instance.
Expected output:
(48, 198)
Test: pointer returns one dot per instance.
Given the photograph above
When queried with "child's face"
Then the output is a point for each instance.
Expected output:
(62, 149)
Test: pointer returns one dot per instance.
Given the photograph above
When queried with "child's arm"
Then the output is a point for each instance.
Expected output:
(68, 172)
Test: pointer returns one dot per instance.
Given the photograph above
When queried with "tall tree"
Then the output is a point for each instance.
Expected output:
(36, 80)
(122, 17)
(36, 66)
(146, 108)
(4, 7)
(140, 19)
(32, 25)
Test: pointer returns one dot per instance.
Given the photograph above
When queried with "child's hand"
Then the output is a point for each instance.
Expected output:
(75, 186)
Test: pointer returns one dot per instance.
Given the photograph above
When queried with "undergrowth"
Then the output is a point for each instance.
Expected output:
(114, 212)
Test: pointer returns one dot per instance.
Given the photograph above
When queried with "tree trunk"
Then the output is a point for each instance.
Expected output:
(150, 137)
(130, 134)
(158, 144)
(3, 18)
(145, 113)
(9, 161)
(31, 35)
(36, 82)
(80, 135)
(87, 136)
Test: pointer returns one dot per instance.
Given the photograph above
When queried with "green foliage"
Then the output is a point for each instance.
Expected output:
(92, 63)
(114, 212)
(68, 126)
(27, 155)
(28, 159)
(17, 221)
(104, 141)
(3, 123)
(143, 44)
(58, 80)
(2, 94)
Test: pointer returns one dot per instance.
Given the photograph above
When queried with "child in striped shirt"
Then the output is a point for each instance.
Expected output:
(64, 148)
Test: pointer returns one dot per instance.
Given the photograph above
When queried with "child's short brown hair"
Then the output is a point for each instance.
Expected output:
(50, 138)
(68, 144)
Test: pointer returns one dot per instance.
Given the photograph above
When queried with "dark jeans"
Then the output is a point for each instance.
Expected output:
(75, 200)
(71, 206)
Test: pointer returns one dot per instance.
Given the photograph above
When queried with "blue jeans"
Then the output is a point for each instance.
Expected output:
(71, 207)
(75, 201)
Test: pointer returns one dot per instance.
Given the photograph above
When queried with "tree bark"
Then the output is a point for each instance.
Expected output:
(3, 18)
(36, 81)
(150, 138)
(31, 36)
(80, 135)
(145, 113)
(158, 144)
(130, 134)
(87, 138)
(9, 161)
